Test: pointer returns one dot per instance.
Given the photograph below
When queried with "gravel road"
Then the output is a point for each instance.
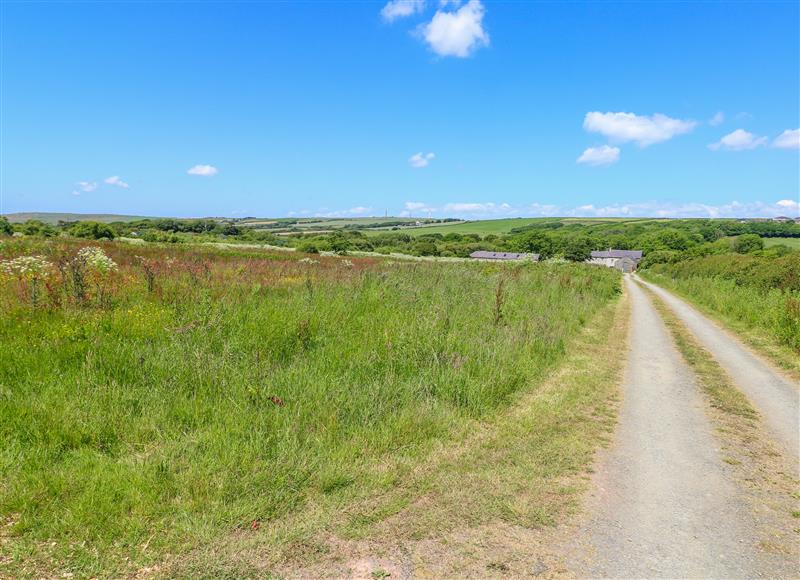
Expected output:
(664, 503)
(775, 396)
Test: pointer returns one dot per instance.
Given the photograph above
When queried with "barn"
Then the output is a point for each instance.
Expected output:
(623, 260)
(508, 256)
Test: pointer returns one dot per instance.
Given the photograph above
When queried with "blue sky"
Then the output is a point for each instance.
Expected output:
(471, 109)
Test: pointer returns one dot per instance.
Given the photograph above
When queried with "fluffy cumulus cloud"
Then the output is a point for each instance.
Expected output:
(116, 181)
(420, 160)
(641, 129)
(717, 119)
(203, 170)
(86, 186)
(599, 156)
(456, 32)
(789, 139)
(739, 140)
(401, 9)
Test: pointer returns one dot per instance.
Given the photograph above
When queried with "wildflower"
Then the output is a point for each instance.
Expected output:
(347, 263)
(26, 267)
(308, 261)
(97, 259)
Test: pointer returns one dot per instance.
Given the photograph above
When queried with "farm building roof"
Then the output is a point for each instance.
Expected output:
(482, 255)
(634, 255)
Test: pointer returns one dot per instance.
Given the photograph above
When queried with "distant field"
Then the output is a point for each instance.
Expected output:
(791, 242)
(54, 218)
(481, 227)
(504, 226)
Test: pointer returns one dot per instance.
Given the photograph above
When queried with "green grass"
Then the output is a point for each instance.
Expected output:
(791, 242)
(481, 227)
(246, 382)
(505, 226)
(523, 467)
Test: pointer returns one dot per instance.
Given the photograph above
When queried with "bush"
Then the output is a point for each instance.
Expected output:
(578, 250)
(424, 248)
(308, 247)
(5, 227)
(92, 231)
(747, 243)
(37, 228)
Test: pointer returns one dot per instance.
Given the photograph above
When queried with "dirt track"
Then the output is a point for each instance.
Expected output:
(665, 504)
(775, 397)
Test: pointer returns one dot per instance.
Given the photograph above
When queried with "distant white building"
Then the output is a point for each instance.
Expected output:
(623, 260)
(483, 255)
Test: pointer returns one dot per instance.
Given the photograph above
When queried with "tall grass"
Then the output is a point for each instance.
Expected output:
(758, 292)
(210, 389)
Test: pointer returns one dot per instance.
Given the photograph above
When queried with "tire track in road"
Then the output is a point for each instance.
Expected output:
(665, 504)
(775, 397)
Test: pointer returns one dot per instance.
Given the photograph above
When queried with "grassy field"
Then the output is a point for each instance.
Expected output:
(505, 226)
(791, 242)
(151, 407)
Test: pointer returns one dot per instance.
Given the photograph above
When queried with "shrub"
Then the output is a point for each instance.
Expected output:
(747, 243)
(578, 250)
(92, 231)
(5, 227)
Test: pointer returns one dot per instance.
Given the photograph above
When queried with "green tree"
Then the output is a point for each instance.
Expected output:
(37, 228)
(537, 243)
(92, 231)
(577, 250)
(747, 243)
(339, 244)
(424, 248)
(5, 227)
(666, 239)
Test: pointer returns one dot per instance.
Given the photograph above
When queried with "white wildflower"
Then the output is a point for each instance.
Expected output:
(30, 267)
(308, 261)
(97, 259)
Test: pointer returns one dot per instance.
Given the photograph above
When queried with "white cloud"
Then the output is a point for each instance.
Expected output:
(790, 206)
(415, 205)
(641, 129)
(204, 170)
(739, 140)
(733, 209)
(660, 209)
(401, 9)
(717, 119)
(115, 180)
(599, 156)
(789, 139)
(419, 160)
(86, 186)
(352, 212)
(456, 32)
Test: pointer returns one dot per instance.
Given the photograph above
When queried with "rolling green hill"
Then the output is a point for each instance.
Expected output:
(54, 218)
